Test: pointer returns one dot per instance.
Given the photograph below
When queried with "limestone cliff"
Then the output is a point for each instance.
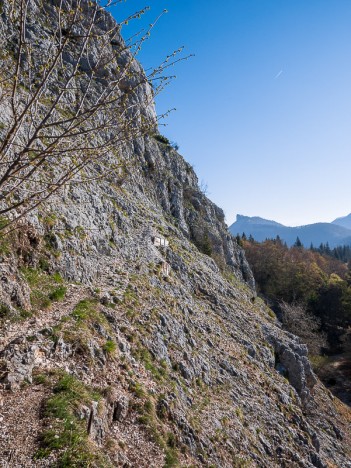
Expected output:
(131, 334)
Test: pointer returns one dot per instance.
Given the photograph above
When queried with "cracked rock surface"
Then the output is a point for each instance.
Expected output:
(189, 368)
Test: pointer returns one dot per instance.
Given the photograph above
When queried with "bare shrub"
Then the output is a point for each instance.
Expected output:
(305, 325)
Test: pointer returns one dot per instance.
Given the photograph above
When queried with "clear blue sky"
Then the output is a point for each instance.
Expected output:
(264, 108)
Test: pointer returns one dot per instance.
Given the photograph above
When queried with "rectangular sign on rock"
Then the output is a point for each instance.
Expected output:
(160, 241)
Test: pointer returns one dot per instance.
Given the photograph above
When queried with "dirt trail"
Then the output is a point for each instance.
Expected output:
(20, 420)
(42, 318)
(20, 427)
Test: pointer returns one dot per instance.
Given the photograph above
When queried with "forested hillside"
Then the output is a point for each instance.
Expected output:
(310, 292)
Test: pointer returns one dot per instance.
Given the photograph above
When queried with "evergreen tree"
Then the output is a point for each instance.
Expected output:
(298, 243)
(278, 240)
(238, 240)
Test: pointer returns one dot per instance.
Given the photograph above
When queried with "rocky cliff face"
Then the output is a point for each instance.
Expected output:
(131, 334)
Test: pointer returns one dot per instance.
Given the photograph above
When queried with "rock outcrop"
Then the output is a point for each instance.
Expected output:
(156, 354)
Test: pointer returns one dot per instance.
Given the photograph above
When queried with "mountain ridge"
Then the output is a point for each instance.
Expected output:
(344, 221)
(332, 233)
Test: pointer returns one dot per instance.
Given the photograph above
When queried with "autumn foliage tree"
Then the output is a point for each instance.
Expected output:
(310, 292)
(289, 274)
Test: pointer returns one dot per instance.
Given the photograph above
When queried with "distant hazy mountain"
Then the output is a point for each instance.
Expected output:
(261, 229)
(344, 221)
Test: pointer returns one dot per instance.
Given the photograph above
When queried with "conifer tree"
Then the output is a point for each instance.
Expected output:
(298, 243)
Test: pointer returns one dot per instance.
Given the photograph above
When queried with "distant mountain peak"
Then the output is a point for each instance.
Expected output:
(344, 221)
(256, 220)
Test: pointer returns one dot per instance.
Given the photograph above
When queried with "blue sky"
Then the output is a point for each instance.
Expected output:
(264, 107)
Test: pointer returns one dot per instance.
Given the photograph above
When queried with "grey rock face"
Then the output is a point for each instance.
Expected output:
(292, 361)
(154, 174)
(98, 422)
(121, 409)
(18, 361)
(194, 348)
(14, 292)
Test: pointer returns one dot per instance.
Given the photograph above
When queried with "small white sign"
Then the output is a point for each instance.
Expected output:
(160, 242)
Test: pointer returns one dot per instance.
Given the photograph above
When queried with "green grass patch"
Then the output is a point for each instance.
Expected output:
(50, 220)
(4, 245)
(110, 347)
(86, 310)
(58, 294)
(67, 433)
(83, 324)
(45, 288)
(40, 300)
(154, 427)
(4, 311)
(162, 139)
(171, 459)
(16, 316)
(57, 278)
(159, 372)
(130, 296)
(40, 379)
(44, 264)
(137, 389)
